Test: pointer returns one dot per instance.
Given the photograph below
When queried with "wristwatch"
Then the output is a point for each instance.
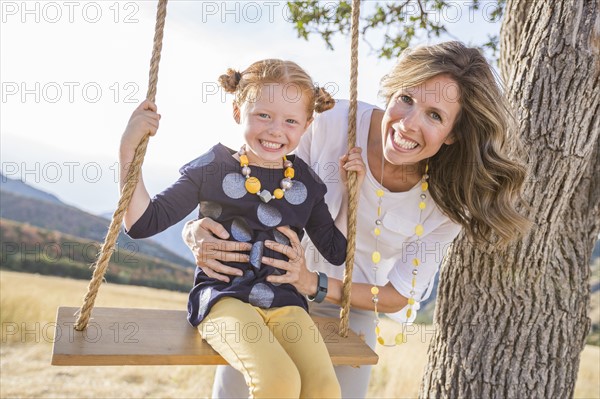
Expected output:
(321, 289)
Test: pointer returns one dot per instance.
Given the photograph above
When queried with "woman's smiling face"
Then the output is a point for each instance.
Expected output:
(419, 120)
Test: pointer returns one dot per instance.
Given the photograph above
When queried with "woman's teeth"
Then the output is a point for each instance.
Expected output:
(403, 143)
(270, 144)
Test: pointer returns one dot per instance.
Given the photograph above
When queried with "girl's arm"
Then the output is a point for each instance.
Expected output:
(329, 236)
(143, 121)
(350, 162)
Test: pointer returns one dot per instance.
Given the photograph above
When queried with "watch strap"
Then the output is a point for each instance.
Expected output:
(321, 288)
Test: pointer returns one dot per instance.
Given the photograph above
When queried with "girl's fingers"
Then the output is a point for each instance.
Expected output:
(352, 159)
(151, 118)
(356, 165)
(147, 105)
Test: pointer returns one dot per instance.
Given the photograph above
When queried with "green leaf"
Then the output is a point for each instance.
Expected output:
(397, 22)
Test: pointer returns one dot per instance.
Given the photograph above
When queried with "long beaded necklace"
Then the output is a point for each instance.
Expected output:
(376, 256)
(253, 186)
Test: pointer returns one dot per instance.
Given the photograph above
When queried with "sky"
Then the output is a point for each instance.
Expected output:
(72, 72)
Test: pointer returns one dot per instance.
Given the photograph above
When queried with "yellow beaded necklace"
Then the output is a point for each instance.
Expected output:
(376, 257)
(253, 186)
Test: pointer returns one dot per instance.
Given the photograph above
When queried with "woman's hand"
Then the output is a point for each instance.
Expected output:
(353, 162)
(296, 274)
(208, 242)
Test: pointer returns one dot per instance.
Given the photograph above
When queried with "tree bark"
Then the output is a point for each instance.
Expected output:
(512, 323)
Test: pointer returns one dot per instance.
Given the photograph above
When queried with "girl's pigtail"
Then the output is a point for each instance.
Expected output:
(323, 100)
(230, 80)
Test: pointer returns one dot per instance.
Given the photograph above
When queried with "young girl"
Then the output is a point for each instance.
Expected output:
(262, 329)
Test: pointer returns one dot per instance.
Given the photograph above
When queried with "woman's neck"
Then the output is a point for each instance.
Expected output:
(396, 178)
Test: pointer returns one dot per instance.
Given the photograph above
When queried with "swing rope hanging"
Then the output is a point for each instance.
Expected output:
(352, 187)
(133, 174)
(164, 336)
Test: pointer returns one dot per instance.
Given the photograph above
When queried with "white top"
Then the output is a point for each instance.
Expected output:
(321, 147)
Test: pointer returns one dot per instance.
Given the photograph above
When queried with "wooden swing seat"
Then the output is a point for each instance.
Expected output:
(120, 336)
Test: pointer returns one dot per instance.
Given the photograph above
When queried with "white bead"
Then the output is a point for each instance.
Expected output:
(286, 183)
(265, 196)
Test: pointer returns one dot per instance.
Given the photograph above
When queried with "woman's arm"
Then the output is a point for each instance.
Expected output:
(390, 300)
(306, 282)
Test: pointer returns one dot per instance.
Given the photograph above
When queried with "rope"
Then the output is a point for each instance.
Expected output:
(131, 179)
(352, 187)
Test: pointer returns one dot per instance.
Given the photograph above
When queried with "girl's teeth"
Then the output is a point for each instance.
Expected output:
(403, 143)
(269, 144)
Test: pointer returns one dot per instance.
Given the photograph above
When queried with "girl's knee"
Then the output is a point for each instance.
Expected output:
(278, 382)
(324, 385)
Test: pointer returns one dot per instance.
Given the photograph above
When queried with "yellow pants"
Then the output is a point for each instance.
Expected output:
(279, 350)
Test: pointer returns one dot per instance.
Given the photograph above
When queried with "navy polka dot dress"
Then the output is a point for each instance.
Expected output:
(215, 182)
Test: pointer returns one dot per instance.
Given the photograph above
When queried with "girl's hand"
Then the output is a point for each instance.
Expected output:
(208, 242)
(353, 161)
(296, 272)
(143, 121)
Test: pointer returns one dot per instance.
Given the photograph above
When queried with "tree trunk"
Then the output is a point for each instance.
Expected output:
(513, 323)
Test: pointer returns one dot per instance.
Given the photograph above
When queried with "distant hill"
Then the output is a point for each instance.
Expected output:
(27, 248)
(44, 210)
(25, 190)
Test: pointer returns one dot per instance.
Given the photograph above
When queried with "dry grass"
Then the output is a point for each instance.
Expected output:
(25, 369)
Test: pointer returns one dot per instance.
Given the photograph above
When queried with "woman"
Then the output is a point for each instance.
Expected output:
(436, 163)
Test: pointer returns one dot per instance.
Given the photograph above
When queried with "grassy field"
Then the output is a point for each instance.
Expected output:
(27, 308)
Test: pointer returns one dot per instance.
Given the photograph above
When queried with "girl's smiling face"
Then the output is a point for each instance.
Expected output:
(419, 120)
(272, 124)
